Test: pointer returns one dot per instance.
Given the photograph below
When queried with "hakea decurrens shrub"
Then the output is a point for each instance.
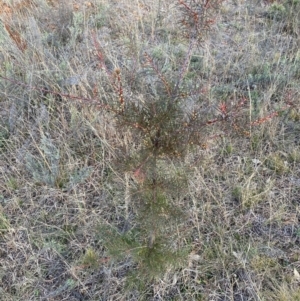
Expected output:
(164, 130)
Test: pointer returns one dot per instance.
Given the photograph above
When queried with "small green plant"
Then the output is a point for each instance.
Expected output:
(294, 156)
(4, 223)
(277, 10)
(12, 183)
(261, 263)
(237, 194)
(90, 258)
(277, 163)
(4, 136)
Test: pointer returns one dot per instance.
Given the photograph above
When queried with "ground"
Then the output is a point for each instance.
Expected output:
(61, 63)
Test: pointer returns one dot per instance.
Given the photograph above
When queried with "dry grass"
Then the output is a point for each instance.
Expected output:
(58, 178)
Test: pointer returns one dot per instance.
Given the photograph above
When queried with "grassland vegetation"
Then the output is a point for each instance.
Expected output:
(149, 150)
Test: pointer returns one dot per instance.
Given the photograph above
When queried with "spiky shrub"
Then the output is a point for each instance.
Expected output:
(157, 128)
(164, 129)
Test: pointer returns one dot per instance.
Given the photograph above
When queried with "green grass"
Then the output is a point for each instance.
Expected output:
(77, 217)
